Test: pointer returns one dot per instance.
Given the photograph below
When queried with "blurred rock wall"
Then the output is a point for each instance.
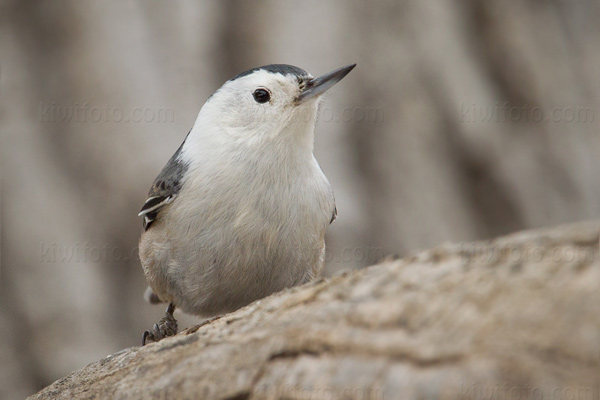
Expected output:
(463, 120)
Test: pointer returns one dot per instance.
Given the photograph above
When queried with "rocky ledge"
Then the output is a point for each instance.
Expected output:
(511, 318)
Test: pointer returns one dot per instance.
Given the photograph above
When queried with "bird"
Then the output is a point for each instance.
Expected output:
(241, 209)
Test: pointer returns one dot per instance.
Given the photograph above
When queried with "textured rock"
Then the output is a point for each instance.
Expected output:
(515, 317)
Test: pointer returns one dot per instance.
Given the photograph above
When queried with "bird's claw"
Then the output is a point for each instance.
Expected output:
(167, 326)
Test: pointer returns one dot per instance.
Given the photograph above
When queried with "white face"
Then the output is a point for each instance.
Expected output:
(262, 105)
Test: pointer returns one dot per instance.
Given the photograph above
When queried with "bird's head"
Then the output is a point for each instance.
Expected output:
(264, 103)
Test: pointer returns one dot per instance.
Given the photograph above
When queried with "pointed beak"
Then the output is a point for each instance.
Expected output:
(317, 86)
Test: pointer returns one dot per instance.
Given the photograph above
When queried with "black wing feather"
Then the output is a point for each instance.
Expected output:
(333, 215)
(165, 188)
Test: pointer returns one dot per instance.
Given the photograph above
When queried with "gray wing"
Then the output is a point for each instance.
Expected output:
(333, 215)
(165, 188)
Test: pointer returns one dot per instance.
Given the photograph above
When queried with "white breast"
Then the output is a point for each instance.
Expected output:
(246, 223)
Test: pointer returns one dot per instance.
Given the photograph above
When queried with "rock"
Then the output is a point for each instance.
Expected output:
(515, 317)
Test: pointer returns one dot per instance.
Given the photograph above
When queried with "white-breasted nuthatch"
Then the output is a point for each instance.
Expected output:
(241, 209)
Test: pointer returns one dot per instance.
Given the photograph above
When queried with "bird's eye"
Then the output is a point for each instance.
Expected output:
(261, 95)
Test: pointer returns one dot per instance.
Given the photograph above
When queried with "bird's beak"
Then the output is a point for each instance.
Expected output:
(317, 86)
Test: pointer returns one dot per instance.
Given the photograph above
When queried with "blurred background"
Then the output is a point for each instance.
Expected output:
(464, 120)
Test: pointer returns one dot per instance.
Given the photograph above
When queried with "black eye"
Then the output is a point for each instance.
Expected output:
(261, 95)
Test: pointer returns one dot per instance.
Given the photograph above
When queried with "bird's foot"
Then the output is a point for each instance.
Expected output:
(167, 326)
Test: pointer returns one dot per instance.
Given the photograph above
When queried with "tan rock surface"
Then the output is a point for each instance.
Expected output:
(516, 317)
